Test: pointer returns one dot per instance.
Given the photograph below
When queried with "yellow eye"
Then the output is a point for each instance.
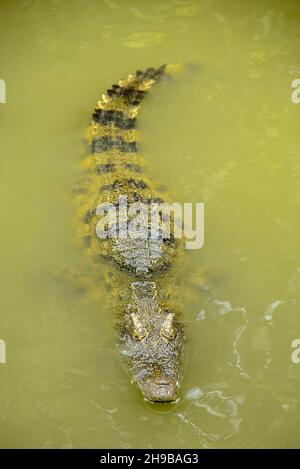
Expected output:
(167, 328)
(138, 328)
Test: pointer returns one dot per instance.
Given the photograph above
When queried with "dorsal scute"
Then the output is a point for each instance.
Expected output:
(144, 289)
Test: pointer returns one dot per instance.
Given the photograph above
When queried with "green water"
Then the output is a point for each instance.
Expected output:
(228, 136)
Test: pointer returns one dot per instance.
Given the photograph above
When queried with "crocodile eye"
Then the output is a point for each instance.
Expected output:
(167, 327)
(138, 328)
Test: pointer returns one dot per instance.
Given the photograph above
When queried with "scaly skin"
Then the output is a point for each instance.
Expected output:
(144, 271)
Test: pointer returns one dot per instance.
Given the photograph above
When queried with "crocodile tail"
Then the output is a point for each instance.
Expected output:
(122, 102)
(114, 119)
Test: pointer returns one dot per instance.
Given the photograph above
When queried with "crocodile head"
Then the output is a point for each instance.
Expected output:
(153, 340)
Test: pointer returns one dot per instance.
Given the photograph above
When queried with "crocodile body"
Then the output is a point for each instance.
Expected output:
(150, 329)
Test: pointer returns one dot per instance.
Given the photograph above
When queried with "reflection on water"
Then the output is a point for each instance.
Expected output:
(226, 135)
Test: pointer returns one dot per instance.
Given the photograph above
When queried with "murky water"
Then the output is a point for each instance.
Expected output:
(228, 136)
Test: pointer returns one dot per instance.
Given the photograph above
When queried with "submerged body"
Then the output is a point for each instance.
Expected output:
(143, 270)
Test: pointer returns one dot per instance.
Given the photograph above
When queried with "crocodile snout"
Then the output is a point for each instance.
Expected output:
(160, 390)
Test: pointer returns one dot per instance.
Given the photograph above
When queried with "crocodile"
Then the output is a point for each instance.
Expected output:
(143, 274)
